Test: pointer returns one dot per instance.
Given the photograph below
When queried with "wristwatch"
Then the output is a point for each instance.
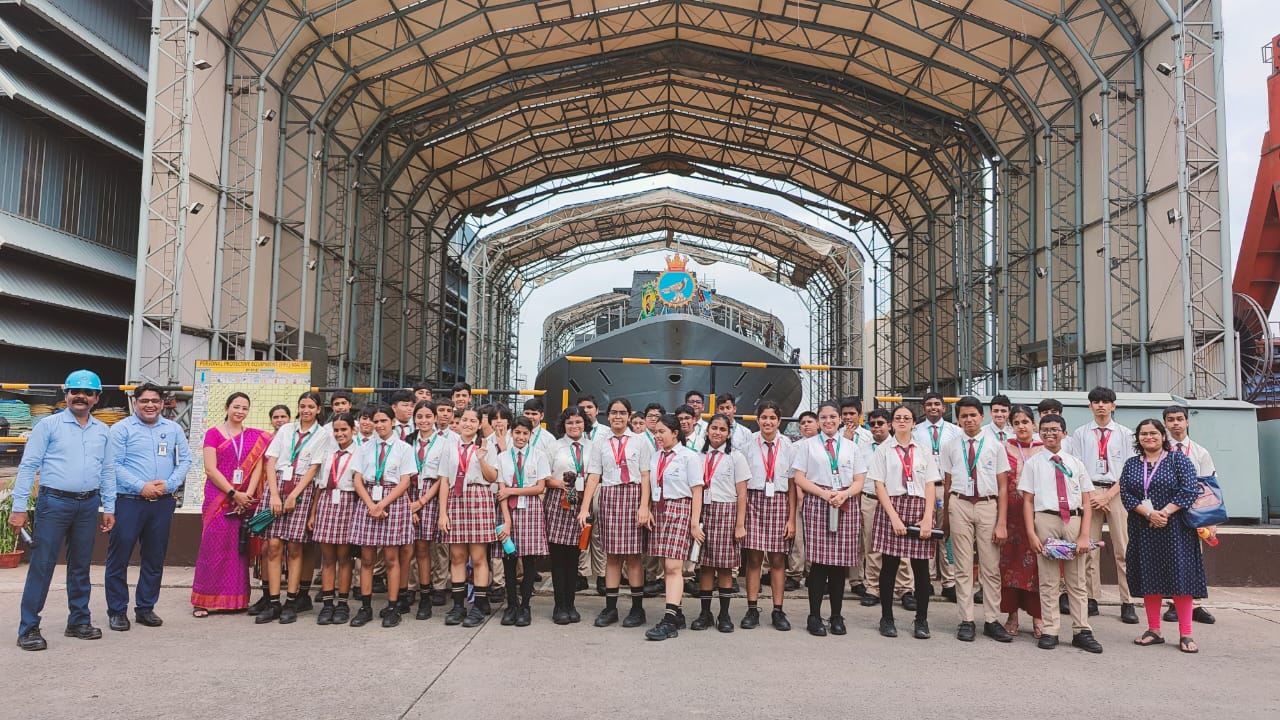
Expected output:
(231, 493)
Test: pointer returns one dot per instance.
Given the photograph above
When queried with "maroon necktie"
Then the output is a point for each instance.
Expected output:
(1064, 510)
(513, 501)
(973, 468)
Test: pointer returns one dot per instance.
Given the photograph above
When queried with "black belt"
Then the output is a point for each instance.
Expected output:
(69, 495)
(975, 498)
(1074, 513)
(1103, 484)
(131, 496)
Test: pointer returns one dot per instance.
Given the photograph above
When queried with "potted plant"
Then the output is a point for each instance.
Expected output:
(10, 555)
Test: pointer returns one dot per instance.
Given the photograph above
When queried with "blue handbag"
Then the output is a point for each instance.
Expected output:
(1208, 509)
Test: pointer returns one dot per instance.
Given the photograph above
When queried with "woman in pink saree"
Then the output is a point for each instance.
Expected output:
(233, 473)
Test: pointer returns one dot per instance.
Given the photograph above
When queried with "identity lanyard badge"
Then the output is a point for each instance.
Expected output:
(379, 471)
(424, 452)
(237, 475)
(519, 502)
(770, 459)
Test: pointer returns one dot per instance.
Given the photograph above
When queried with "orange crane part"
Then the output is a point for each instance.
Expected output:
(1258, 267)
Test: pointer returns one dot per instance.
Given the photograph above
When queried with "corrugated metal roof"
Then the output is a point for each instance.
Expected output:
(50, 288)
(31, 237)
(91, 40)
(18, 88)
(15, 39)
(58, 335)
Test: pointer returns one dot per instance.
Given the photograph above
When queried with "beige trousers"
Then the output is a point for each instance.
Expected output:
(1073, 573)
(1117, 519)
(971, 526)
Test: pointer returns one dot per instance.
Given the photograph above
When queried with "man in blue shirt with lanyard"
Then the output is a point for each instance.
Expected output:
(71, 452)
(150, 457)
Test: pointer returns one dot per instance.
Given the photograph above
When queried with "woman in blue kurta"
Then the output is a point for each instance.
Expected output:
(1164, 551)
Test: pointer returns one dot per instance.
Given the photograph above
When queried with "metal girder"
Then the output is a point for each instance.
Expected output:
(1017, 222)
(166, 175)
(1124, 240)
(1063, 261)
(1208, 341)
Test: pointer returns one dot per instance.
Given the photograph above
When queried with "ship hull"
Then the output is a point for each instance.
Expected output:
(673, 337)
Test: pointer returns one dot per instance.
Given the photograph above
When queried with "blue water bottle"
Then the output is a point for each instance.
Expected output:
(508, 545)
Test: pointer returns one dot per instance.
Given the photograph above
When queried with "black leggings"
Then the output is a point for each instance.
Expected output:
(564, 573)
(826, 580)
(526, 585)
(924, 588)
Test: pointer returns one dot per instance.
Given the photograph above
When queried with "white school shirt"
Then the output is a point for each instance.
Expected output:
(636, 453)
(448, 433)
(449, 463)
(536, 467)
(1039, 479)
(1199, 456)
(811, 458)
(756, 450)
(402, 430)
(861, 436)
(542, 441)
(438, 448)
(991, 460)
(694, 441)
(594, 435)
(398, 461)
(886, 468)
(562, 457)
(923, 433)
(310, 450)
(739, 435)
(730, 469)
(347, 467)
(1083, 443)
(681, 475)
(993, 432)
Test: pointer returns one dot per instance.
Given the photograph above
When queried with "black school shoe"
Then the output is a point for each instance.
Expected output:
(724, 623)
(271, 614)
(257, 608)
(362, 617)
(860, 590)
(456, 615)
(390, 616)
(607, 617)
(147, 618)
(1201, 615)
(119, 623)
(751, 620)
(966, 632)
(634, 619)
(303, 603)
(888, 628)
(664, 630)
(572, 613)
(780, 621)
(869, 600)
(524, 616)
(909, 602)
(424, 609)
(1047, 642)
(837, 625)
(341, 614)
(1171, 614)
(1128, 614)
(474, 617)
(32, 640)
(326, 615)
(704, 620)
(509, 615)
(816, 627)
(288, 614)
(83, 631)
(1085, 641)
(949, 594)
(1093, 607)
(996, 631)
(920, 630)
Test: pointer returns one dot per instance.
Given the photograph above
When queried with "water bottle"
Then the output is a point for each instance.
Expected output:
(1206, 534)
(695, 550)
(31, 542)
(584, 540)
(508, 545)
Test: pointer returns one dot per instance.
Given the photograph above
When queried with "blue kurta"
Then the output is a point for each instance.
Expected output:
(1167, 560)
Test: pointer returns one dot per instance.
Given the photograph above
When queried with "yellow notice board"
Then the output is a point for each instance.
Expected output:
(266, 383)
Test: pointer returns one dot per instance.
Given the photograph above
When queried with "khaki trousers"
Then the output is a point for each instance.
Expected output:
(1073, 573)
(972, 526)
(1117, 519)
(874, 561)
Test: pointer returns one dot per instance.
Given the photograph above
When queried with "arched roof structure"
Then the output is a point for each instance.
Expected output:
(991, 142)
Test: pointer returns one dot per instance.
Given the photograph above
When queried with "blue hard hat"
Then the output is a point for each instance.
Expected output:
(83, 380)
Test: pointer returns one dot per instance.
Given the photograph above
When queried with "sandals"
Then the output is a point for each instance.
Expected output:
(1011, 627)
(1038, 631)
(1148, 639)
(199, 613)
(1187, 644)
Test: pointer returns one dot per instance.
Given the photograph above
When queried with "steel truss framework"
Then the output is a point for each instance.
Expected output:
(962, 142)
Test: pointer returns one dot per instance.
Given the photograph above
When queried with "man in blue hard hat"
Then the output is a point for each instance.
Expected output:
(71, 451)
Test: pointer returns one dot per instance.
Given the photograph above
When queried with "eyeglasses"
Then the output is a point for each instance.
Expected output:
(1051, 431)
(619, 412)
(877, 423)
(83, 392)
(653, 416)
(148, 401)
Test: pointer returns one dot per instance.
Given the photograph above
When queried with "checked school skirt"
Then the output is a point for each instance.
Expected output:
(528, 531)
(824, 547)
(333, 522)
(883, 541)
(618, 506)
(394, 529)
(562, 525)
(670, 537)
(471, 516)
(767, 522)
(720, 550)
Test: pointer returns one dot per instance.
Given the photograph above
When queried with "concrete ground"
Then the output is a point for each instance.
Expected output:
(227, 667)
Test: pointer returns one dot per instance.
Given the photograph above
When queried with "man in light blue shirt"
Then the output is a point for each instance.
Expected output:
(150, 457)
(71, 452)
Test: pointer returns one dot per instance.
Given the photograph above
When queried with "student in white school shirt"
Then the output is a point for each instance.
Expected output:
(1177, 423)
(772, 501)
(727, 406)
(1059, 487)
(879, 422)
(975, 498)
(1103, 445)
(932, 434)
(542, 440)
(999, 428)
(851, 420)
(693, 439)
